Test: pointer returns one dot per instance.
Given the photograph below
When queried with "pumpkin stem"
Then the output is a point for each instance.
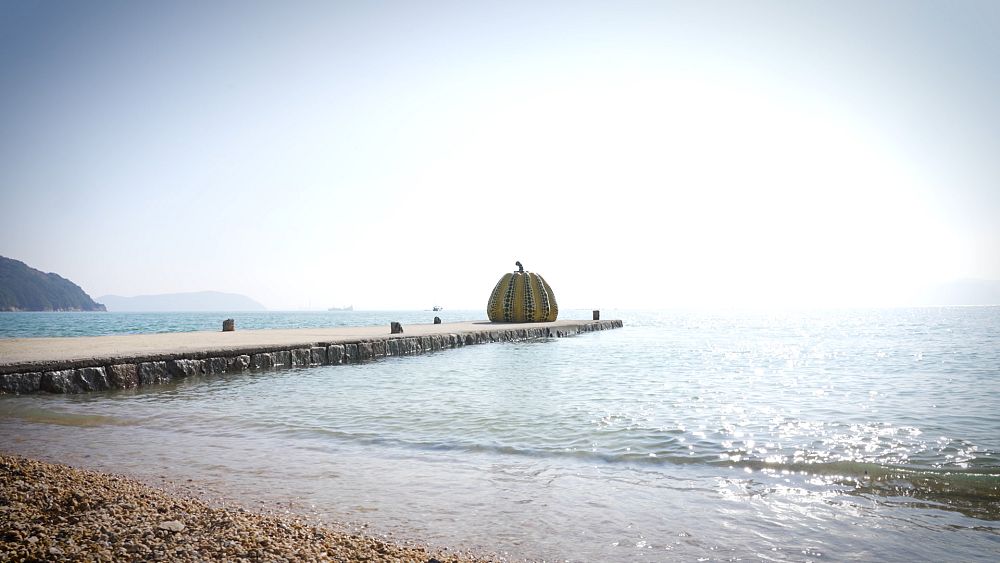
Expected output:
(520, 268)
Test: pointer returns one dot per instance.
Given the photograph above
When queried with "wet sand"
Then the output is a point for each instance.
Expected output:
(51, 512)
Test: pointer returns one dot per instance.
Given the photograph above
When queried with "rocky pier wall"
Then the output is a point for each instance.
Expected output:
(130, 372)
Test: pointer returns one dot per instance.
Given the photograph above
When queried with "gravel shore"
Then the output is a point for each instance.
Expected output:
(51, 512)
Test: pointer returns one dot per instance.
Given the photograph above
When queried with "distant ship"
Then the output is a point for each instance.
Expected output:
(348, 308)
(437, 308)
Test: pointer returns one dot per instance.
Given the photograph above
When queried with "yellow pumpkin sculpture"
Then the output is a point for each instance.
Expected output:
(522, 297)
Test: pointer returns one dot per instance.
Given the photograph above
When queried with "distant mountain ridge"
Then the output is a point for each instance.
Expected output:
(23, 288)
(176, 302)
(965, 292)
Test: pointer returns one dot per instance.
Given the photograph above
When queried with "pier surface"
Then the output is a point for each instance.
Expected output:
(91, 363)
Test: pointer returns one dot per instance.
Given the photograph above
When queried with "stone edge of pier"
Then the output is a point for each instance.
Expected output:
(130, 372)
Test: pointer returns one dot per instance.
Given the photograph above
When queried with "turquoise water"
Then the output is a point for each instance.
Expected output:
(21, 324)
(833, 435)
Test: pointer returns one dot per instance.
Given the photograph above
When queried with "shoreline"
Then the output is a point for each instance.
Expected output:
(53, 511)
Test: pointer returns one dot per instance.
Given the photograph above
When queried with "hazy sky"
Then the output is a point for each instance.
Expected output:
(405, 154)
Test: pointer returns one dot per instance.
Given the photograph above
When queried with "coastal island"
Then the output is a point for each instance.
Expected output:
(23, 288)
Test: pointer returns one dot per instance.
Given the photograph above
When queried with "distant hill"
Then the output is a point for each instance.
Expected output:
(963, 292)
(196, 301)
(23, 288)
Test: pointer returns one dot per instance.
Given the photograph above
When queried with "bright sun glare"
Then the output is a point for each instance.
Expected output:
(765, 197)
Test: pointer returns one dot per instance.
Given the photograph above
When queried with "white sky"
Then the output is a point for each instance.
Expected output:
(399, 155)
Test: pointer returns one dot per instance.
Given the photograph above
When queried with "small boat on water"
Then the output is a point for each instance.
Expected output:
(437, 308)
(348, 308)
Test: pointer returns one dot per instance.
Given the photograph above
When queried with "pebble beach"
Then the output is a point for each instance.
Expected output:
(52, 512)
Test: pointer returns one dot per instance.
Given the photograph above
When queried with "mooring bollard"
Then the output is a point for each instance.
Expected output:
(228, 325)
(395, 328)
(437, 320)
(597, 315)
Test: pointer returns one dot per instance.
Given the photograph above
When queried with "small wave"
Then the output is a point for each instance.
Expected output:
(980, 483)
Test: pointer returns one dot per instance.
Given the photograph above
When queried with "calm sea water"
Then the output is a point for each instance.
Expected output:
(821, 435)
(30, 324)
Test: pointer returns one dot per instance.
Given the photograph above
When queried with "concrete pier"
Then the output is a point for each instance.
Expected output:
(96, 363)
